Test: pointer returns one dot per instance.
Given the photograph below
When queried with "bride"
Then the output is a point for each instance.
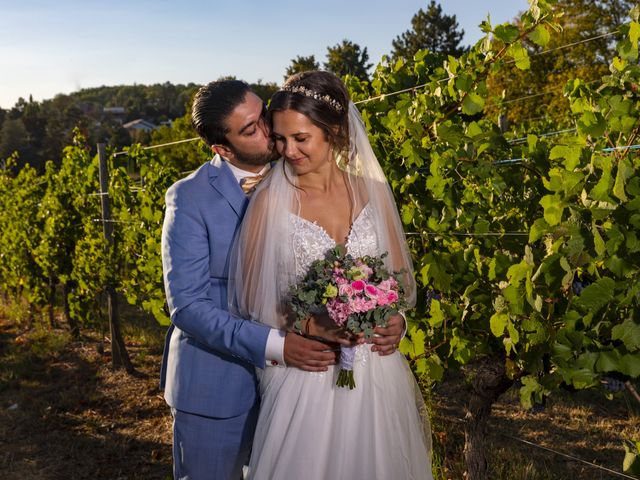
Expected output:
(327, 189)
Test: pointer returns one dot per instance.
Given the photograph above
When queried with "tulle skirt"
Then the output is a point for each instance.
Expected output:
(310, 429)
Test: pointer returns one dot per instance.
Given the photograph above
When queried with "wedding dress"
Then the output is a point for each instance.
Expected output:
(310, 429)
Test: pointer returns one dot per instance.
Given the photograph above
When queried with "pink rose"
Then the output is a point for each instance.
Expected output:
(345, 289)
(392, 296)
(382, 299)
(359, 304)
(371, 291)
(358, 285)
(340, 280)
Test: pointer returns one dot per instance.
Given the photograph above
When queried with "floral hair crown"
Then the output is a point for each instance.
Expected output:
(307, 92)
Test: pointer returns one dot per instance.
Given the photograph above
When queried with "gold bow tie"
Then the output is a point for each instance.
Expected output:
(249, 184)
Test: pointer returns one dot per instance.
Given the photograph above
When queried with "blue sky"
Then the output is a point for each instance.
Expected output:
(58, 47)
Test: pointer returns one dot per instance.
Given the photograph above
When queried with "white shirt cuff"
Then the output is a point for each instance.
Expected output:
(274, 351)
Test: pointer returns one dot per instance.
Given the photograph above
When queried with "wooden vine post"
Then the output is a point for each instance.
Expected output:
(119, 356)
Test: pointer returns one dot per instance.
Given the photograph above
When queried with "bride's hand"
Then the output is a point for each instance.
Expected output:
(387, 339)
(324, 327)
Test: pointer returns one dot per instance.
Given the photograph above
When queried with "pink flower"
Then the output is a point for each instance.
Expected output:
(338, 311)
(382, 298)
(366, 270)
(345, 289)
(359, 304)
(385, 285)
(371, 291)
(392, 296)
(358, 285)
(340, 280)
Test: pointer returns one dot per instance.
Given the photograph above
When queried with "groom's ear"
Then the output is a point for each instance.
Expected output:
(221, 150)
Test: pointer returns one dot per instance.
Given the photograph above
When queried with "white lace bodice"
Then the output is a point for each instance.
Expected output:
(311, 241)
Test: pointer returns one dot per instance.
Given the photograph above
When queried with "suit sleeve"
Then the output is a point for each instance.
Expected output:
(185, 264)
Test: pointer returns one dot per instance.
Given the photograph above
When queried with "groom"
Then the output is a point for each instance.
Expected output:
(208, 368)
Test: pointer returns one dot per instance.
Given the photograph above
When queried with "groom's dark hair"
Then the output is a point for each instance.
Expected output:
(212, 104)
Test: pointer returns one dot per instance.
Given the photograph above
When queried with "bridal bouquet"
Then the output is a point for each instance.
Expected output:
(357, 294)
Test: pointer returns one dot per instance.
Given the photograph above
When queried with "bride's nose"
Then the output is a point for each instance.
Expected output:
(289, 149)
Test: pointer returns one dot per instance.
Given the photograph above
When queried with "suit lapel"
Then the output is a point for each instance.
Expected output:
(222, 179)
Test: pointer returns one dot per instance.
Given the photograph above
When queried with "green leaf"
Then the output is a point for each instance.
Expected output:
(608, 361)
(540, 36)
(436, 314)
(506, 32)
(571, 154)
(434, 368)
(629, 333)
(630, 365)
(520, 55)
(631, 462)
(592, 123)
(625, 171)
(450, 133)
(598, 242)
(515, 298)
(498, 322)
(619, 63)
(553, 209)
(472, 104)
(531, 391)
(464, 82)
(538, 229)
(596, 295)
(634, 33)
(407, 213)
(413, 344)
(474, 130)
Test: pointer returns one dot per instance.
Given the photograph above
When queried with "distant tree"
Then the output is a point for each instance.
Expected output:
(347, 58)
(302, 64)
(431, 30)
(13, 138)
(537, 91)
(264, 90)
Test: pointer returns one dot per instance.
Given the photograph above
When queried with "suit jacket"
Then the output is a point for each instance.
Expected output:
(210, 355)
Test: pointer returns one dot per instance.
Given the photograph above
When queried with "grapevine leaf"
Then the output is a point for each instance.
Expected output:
(629, 333)
(498, 322)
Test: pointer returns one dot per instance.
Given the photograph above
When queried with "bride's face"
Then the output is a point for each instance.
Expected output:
(302, 144)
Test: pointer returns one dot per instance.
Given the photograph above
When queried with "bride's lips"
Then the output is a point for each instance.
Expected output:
(295, 161)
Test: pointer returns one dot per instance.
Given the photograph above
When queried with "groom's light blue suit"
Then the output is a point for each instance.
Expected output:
(209, 358)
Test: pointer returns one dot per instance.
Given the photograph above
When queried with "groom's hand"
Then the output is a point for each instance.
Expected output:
(387, 339)
(307, 354)
(323, 327)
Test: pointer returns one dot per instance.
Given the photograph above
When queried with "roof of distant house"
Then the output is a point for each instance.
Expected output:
(139, 123)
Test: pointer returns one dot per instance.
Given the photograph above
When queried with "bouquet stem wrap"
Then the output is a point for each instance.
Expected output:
(345, 376)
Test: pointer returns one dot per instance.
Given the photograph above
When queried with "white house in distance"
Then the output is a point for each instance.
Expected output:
(139, 125)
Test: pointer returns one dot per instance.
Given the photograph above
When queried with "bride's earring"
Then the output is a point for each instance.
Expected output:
(341, 159)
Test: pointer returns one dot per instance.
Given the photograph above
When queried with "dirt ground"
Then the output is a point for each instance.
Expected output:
(65, 414)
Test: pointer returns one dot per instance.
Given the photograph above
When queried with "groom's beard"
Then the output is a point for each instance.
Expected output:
(258, 159)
